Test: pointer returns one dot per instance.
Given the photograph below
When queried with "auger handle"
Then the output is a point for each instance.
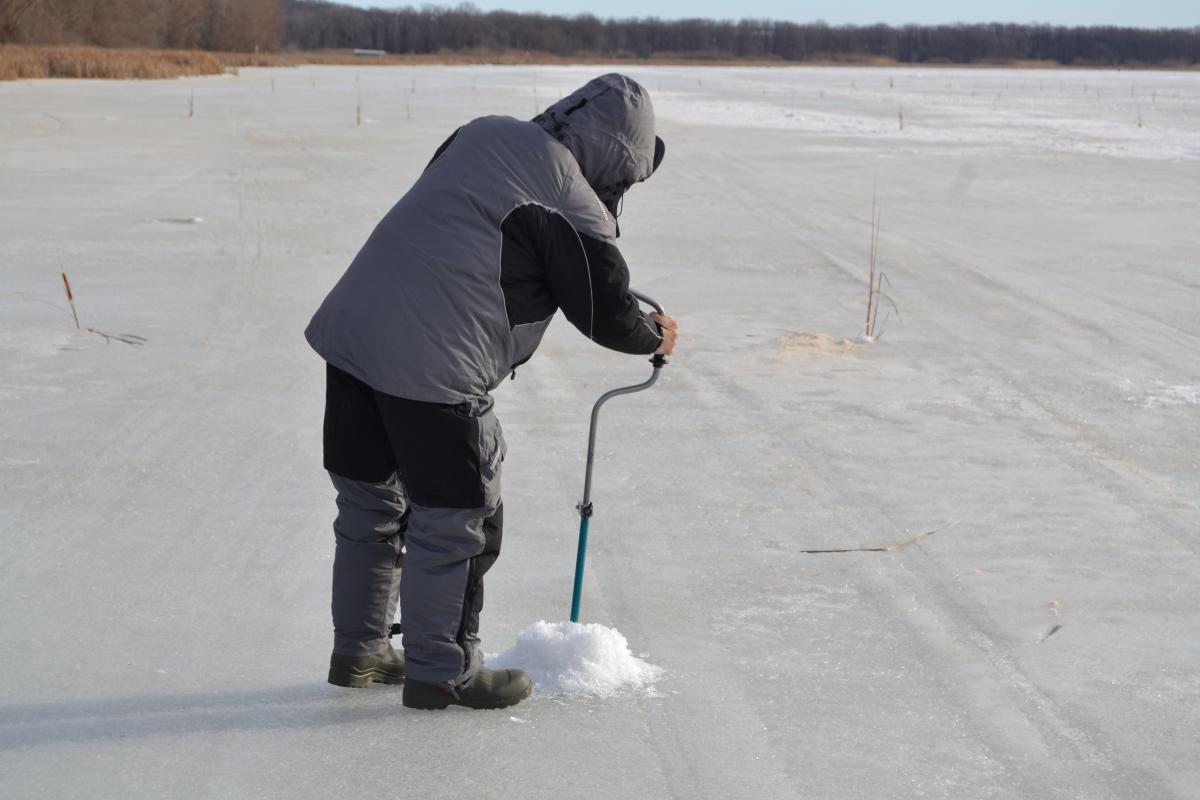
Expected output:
(658, 361)
(648, 300)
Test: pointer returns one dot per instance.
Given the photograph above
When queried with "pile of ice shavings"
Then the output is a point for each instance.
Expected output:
(572, 658)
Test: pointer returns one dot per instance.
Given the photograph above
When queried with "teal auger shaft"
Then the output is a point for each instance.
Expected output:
(580, 557)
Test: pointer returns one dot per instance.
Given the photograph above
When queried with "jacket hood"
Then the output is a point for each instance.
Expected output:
(608, 125)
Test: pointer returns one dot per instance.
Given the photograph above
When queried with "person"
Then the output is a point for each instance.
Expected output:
(510, 222)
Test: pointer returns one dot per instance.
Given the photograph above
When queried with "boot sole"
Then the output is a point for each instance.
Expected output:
(442, 703)
(361, 679)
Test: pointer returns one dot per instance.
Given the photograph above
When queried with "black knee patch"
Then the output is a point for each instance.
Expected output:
(355, 440)
(437, 449)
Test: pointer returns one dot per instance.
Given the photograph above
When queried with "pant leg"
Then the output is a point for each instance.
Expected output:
(449, 459)
(369, 533)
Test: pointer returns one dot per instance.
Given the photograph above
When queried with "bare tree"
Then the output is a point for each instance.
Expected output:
(248, 25)
(16, 17)
(244, 25)
(184, 23)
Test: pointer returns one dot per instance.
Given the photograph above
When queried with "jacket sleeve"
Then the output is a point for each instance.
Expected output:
(589, 281)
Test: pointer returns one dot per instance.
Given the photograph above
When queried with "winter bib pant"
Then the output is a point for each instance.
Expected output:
(418, 486)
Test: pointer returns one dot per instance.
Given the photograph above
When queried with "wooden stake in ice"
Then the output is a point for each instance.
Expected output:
(71, 299)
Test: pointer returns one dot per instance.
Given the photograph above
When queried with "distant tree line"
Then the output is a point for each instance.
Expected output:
(235, 25)
(312, 24)
(247, 25)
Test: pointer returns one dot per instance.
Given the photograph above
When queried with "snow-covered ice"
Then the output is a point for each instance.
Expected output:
(569, 658)
(166, 547)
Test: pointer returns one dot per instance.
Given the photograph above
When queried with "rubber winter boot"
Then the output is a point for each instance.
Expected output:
(358, 672)
(491, 689)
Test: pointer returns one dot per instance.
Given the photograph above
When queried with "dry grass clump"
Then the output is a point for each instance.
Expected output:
(18, 62)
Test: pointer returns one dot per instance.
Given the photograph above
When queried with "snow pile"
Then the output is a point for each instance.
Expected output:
(573, 658)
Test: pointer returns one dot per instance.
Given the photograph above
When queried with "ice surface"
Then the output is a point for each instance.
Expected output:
(1078, 111)
(166, 544)
(566, 658)
(1164, 395)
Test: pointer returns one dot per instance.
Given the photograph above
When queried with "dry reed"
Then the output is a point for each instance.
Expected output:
(71, 299)
(19, 62)
(876, 279)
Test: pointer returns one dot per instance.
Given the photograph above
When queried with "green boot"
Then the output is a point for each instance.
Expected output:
(491, 689)
(357, 672)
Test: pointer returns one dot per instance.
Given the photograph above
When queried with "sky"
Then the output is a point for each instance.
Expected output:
(1146, 13)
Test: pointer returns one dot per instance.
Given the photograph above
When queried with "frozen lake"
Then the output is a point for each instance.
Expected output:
(166, 553)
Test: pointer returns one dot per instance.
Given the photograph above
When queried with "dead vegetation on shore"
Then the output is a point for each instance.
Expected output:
(25, 62)
(21, 62)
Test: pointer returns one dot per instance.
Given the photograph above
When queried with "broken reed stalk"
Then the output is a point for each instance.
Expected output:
(901, 117)
(891, 548)
(881, 295)
(127, 338)
(71, 299)
(191, 103)
(358, 108)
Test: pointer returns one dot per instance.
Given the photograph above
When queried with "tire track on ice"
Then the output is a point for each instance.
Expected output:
(956, 621)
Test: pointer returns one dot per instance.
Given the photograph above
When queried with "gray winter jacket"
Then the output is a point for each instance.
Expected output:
(510, 221)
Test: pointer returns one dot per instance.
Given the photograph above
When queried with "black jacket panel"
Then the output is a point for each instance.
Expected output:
(546, 264)
(442, 147)
(527, 296)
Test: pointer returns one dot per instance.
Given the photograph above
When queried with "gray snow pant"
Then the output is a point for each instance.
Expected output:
(368, 555)
(437, 514)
